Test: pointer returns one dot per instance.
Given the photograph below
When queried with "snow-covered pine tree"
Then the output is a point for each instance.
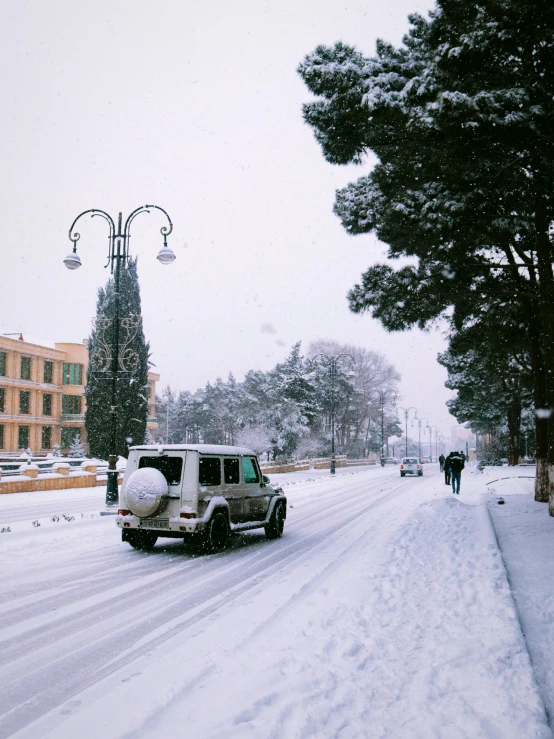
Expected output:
(459, 118)
(132, 384)
(56, 451)
(76, 448)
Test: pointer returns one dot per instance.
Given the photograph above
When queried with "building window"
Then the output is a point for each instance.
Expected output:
(1, 436)
(72, 374)
(68, 436)
(25, 368)
(24, 401)
(23, 437)
(2, 400)
(48, 372)
(46, 405)
(46, 437)
(2, 364)
(71, 404)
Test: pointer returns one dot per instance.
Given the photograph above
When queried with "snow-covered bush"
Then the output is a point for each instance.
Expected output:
(76, 450)
(255, 438)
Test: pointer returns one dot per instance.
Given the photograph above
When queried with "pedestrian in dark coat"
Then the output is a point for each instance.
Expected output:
(441, 461)
(457, 464)
(447, 469)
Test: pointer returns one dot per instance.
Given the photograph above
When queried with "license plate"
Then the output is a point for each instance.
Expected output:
(154, 523)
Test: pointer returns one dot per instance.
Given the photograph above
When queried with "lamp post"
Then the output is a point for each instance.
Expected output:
(167, 394)
(382, 394)
(333, 363)
(431, 441)
(118, 254)
(406, 415)
(419, 422)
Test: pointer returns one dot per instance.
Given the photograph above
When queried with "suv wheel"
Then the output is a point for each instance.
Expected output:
(274, 529)
(142, 540)
(402, 474)
(217, 533)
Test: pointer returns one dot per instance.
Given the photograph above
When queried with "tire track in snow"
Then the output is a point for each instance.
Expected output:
(174, 574)
(108, 569)
(64, 676)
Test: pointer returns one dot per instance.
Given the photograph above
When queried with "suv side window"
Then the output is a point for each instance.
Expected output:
(250, 470)
(231, 471)
(170, 467)
(209, 471)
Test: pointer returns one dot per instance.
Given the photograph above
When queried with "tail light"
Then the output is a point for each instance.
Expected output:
(419, 466)
(401, 466)
(124, 512)
(187, 514)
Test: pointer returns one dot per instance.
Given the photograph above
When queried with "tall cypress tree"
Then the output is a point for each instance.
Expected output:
(132, 376)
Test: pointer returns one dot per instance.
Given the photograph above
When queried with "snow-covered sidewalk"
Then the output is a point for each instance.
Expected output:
(399, 624)
(525, 534)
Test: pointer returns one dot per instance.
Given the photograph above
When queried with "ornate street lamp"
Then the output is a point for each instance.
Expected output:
(406, 415)
(118, 254)
(332, 362)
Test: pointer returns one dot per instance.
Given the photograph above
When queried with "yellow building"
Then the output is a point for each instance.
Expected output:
(42, 394)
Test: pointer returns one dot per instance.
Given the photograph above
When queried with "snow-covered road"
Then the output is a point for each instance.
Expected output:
(383, 611)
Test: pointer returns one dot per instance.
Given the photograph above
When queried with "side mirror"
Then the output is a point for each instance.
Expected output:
(265, 478)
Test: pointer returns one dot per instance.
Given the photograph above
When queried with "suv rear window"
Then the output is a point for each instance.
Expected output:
(410, 460)
(170, 467)
(209, 471)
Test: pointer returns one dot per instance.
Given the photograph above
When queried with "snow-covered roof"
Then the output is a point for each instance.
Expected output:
(203, 448)
(28, 339)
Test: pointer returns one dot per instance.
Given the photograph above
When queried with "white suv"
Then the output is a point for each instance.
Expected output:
(199, 490)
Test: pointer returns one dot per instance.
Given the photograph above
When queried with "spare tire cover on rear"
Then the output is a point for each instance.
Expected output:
(145, 491)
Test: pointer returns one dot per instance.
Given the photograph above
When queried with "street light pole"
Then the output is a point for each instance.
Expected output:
(431, 441)
(406, 414)
(382, 401)
(333, 362)
(118, 253)
(419, 422)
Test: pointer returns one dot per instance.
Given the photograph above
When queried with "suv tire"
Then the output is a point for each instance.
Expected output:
(274, 529)
(216, 535)
(144, 540)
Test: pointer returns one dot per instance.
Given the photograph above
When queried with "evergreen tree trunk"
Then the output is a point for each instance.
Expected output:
(546, 318)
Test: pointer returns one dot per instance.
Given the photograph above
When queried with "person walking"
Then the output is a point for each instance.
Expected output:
(441, 461)
(457, 464)
(447, 469)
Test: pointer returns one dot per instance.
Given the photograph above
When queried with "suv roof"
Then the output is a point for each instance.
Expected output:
(202, 448)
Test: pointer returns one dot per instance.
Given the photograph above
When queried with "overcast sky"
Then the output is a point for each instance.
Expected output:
(194, 106)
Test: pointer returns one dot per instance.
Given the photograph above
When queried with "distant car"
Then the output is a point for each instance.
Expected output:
(410, 466)
(391, 460)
